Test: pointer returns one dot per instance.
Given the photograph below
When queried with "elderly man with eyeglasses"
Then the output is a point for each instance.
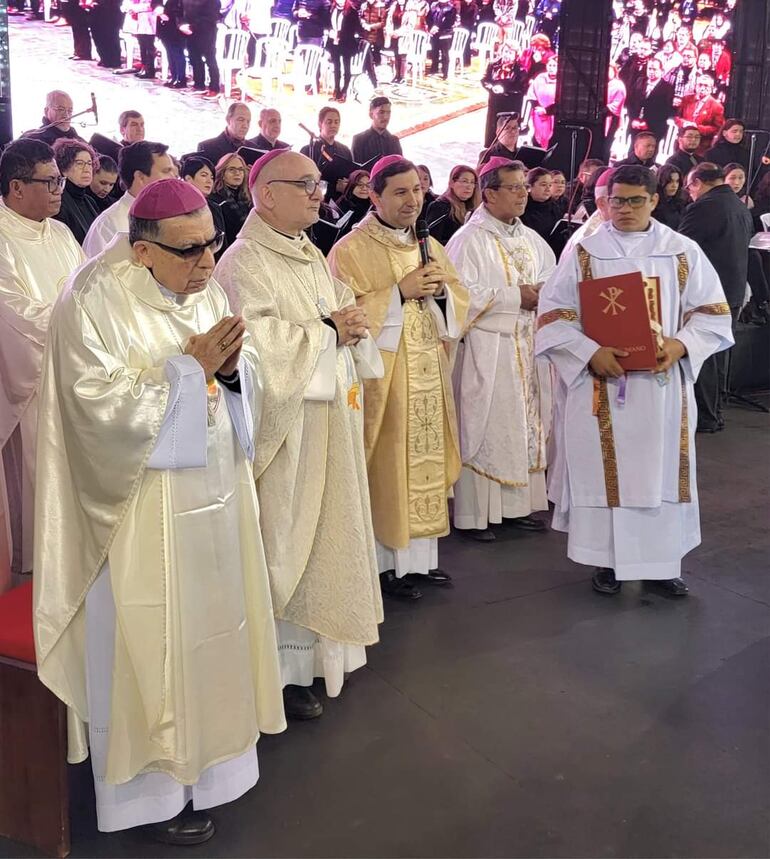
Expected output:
(37, 254)
(310, 469)
(626, 494)
(153, 619)
(57, 119)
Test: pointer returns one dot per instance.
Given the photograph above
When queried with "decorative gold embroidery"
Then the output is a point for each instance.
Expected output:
(353, 393)
(584, 258)
(560, 314)
(722, 308)
(682, 271)
(607, 442)
(512, 483)
(684, 448)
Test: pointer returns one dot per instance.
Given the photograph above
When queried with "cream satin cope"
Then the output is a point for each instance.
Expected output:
(410, 428)
(165, 534)
(309, 466)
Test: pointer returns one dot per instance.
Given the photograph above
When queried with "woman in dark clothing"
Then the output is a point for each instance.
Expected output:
(559, 190)
(671, 199)
(355, 198)
(76, 162)
(342, 43)
(542, 213)
(447, 214)
(730, 146)
(428, 194)
(199, 171)
(231, 194)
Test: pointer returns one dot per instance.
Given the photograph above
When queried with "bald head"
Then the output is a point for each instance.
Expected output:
(287, 193)
(270, 124)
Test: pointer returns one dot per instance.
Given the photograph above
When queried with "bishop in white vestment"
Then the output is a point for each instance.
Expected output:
(627, 492)
(37, 254)
(497, 382)
(153, 618)
(310, 467)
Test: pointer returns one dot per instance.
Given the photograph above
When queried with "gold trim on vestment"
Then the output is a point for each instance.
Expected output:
(722, 308)
(514, 484)
(584, 258)
(683, 273)
(560, 314)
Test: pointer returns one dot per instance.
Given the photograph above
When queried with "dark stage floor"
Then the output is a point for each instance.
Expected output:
(520, 714)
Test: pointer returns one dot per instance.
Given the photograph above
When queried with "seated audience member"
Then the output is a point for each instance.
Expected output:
(131, 127)
(231, 194)
(269, 130)
(104, 181)
(735, 177)
(238, 119)
(200, 172)
(645, 147)
(671, 198)
(449, 212)
(326, 153)
(730, 147)
(77, 162)
(761, 201)
(428, 194)
(376, 141)
(57, 119)
(559, 190)
(355, 198)
(576, 188)
(688, 142)
(587, 206)
(542, 213)
(507, 143)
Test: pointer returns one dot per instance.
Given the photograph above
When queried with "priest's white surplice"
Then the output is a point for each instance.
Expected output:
(107, 225)
(500, 391)
(625, 487)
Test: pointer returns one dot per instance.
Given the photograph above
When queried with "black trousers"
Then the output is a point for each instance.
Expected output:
(340, 55)
(177, 63)
(202, 47)
(711, 386)
(105, 24)
(439, 53)
(77, 18)
(147, 52)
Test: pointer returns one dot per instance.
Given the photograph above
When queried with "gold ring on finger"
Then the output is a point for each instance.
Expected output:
(222, 346)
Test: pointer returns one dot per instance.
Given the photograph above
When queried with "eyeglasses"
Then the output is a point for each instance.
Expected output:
(82, 164)
(308, 185)
(634, 202)
(517, 188)
(471, 182)
(55, 183)
(364, 186)
(194, 251)
(235, 170)
(64, 111)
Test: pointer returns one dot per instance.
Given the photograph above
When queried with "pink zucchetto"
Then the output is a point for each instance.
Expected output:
(602, 186)
(167, 198)
(384, 163)
(259, 165)
(495, 163)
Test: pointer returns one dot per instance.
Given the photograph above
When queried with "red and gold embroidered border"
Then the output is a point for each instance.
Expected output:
(722, 308)
(684, 448)
(560, 314)
(607, 442)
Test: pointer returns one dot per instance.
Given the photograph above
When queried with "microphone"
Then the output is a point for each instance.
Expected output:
(94, 109)
(423, 234)
(306, 130)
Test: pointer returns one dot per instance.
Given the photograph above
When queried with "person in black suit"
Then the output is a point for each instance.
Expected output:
(672, 201)
(441, 22)
(269, 129)
(645, 145)
(332, 158)
(687, 143)
(238, 119)
(721, 224)
(312, 18)
(341, 44)
(652, 104)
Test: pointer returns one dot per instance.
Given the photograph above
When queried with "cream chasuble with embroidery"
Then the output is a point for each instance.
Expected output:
(497, 384)
(309, 466)
(195, 636)
(412, 448)
(36, 257)
(631, 452)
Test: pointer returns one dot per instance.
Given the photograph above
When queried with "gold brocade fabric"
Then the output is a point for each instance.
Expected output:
(410, 426)
(560, 314)
(721, 308)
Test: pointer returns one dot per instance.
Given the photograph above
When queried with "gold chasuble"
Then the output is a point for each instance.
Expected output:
(410, 425)
(195, 673)
(309, 466)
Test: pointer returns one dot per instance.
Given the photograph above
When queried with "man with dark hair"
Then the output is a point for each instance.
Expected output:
(131, 127)
(686, 157)
(146, 437)
(650, 105)
(703, 110)
(624, 482)
(576, 191)
(237, 122)
(499, 390)
(269, 131)
(684, 75)
(57, 119)
(507, 143)
(645, 147)
(37, 255)
(410, 428)
(313, 19)
(139, 164)
(722, 225)
(441, 22)
(103, 183)
(332, 159)
(377, 141)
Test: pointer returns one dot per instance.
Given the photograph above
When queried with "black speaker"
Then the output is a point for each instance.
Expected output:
(749, 96)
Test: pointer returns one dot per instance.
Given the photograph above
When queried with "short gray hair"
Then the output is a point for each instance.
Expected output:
(492, 179)
(54, 95)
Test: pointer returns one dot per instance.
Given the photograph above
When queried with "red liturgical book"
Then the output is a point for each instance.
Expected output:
(617, 311)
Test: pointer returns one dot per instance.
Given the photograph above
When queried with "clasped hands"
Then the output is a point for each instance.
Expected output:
(530, 295)
(423, 282)
(351, 324)
(219, 349)
(604, 363)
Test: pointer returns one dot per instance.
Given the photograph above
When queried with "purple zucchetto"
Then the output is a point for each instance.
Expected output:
(166, 198)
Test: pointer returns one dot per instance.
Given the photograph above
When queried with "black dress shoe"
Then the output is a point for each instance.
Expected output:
(145, 75)
(668, 587)
(399, 589)
(482, 535)
(188, 828)
(437, 577)
(300, 703)
(604, 581)
(527, 523)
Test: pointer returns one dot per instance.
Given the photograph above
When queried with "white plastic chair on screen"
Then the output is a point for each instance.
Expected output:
(457, 51)
(231, 54)
(307, 60)
(487, 35)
